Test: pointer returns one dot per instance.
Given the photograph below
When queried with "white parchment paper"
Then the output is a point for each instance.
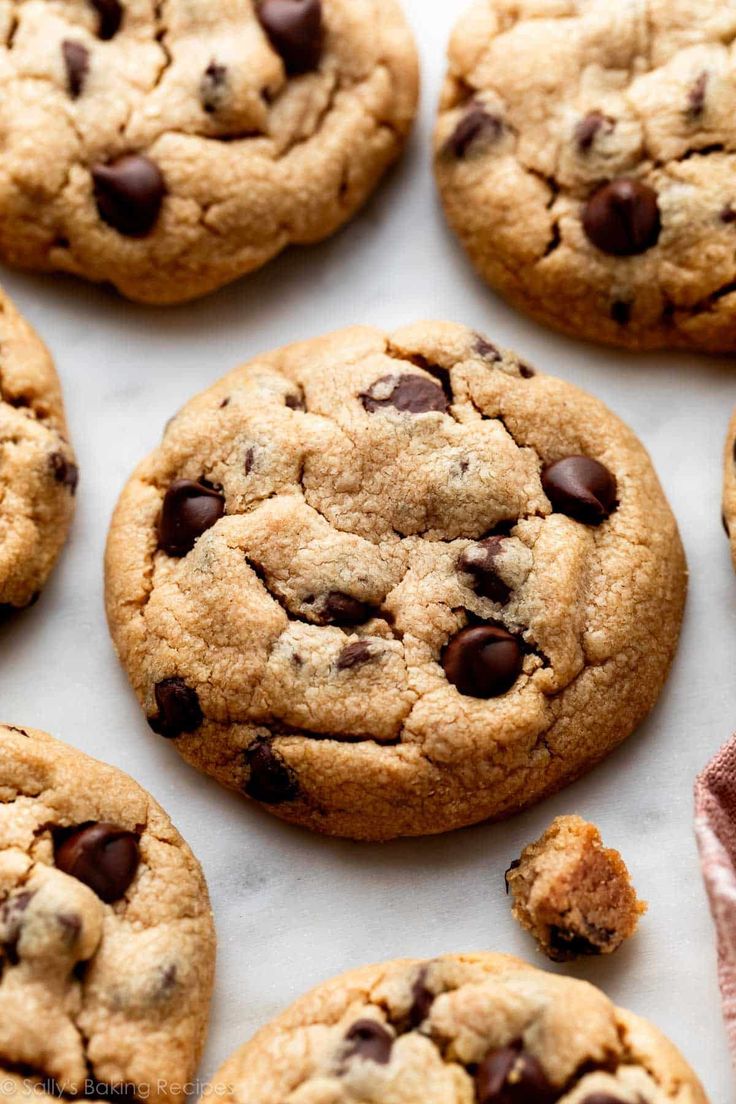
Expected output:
(293, 909)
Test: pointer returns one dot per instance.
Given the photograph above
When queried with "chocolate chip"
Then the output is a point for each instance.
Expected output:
(271, 780)
(64, 471)
(189, 509)
(483, 661)
(212, 86)
(178, 708)
(565, 944)
(76, 61)
(296, 401)
(479, 560)
(581, 488)
(342, 609)
(622, 218)
(526, 371)
(509, 1076)
(513, 866)
(621, 312)
(129, 192)
(486, 350)
(353, 655)
(422, 1000)
(294, 29)
(409, 394)
(111, 16)
(10, 917)
(589, 128)
(696, 97)
(369, 1040)
(475, 126)
(250, 455)
(71, 926)
(102, 856)
(728, 214)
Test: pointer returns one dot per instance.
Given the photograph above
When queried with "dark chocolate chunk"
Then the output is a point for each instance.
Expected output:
(189, 509)
(342, 609)
(510, 1076)
(353, 655)
(294, 29)
(270, 779)
(581, 488)
(622, 218)
(64, 471)
(477, 125)
(76, 62)
(483, 661)
(110, 14)
(102, 856)
(369, 1040)
(178, 708)
(410, 394)
(129, 193)
(479, 560)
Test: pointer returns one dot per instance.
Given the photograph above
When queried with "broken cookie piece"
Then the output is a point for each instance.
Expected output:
(573, 894)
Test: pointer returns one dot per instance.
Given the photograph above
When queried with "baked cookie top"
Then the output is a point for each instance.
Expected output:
(171, 147)
(586, 155)
(106, 934)
(38, 473)
(462, 1029)
(390, 585)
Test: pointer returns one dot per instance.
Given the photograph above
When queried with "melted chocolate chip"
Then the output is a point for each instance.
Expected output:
(296, 401)
(479, 560)
(621, 312)
(581, 488)
(622, 218)
(11, 913)
(102, 856)
(212, 86)
(483, 661)
(487, 350)
(189, 509)
(728, 214)
(477, 125)
(271, 781)
(589, 128)
(354, 655)
(110, 14)
(248, 460)
(129, 193)
(294, 29)
(64, 471)
(509, 1076)
(696, 97)
(409, 394)
(369, 1040)
(602, 1098)
(526, 371)
(178, 708)
(71, 927)
(342, 609)
(565, 945)
(76, 62)
(422, 1000)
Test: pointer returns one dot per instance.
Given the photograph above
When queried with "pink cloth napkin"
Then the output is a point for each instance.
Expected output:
(715, 828)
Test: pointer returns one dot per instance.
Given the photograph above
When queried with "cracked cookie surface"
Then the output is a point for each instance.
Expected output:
(585, 152)
(461, 1029)
(38, 473)
(106, 934)
(392, 585)
(169, 147)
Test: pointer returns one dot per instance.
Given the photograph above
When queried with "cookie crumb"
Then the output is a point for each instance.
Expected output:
(573, 894)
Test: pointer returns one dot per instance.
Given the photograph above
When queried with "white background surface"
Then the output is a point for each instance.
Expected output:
(293, 909)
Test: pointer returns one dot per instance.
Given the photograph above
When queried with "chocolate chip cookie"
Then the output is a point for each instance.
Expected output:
(586, 156)
(481, 1028)
(573, 894)
(169, 148)
(391, 585)
(106, 934)
(38, 473)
